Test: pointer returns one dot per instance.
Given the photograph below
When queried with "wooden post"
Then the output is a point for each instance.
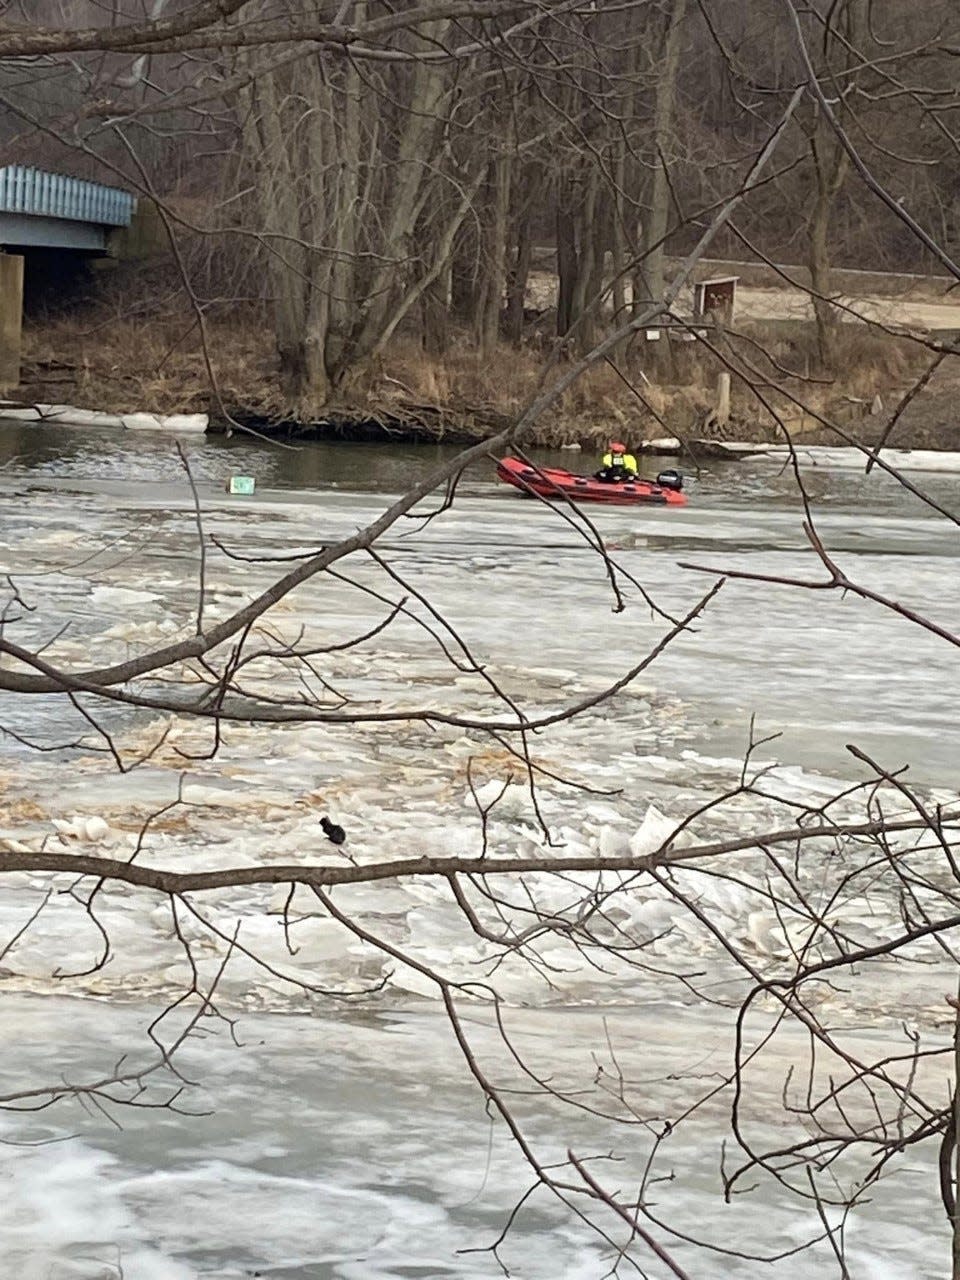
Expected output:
(11, 313)
(723, 399)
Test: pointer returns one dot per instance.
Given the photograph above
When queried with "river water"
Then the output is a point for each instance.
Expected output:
(336, 1137)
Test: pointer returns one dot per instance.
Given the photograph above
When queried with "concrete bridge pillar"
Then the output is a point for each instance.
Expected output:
(11, 314)
(144, 237)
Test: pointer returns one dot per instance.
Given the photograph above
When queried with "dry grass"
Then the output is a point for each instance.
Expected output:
(505, 382)
(151, 358)
(156, 364)
(863, 357)
(783, 360)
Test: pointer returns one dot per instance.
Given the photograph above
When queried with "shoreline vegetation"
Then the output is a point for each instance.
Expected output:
(129, 347)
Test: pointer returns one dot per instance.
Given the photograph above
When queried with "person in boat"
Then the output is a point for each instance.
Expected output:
(617, 464)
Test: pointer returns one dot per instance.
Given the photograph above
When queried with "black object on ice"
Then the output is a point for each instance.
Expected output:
(334, 833)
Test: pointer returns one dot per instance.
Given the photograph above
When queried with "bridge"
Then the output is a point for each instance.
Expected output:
(48, 221)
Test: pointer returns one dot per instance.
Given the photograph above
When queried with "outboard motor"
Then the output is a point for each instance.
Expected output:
(670, 479)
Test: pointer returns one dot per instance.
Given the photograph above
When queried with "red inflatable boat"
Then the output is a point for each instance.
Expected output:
(551, 482)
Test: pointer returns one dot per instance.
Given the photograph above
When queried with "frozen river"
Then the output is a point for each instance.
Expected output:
(342, 1137)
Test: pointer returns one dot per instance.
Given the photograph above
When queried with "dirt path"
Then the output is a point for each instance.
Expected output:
(756, 303)
(794, 304)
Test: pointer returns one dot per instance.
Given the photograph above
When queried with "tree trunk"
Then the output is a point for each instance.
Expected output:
(442, 238)
(584, 301)
(435, 314)
(831, 165)
(566, 259)
(303, 377)
(619, 251)
(345, 214)
(818, 261)
(405, 199)
(302, 374)
(519, 274)
(496, 256)
(463, 273)
(658, 218)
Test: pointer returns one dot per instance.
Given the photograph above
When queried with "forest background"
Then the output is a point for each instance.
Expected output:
(405, 214)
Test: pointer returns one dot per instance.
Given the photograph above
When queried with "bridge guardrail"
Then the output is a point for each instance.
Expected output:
(54, 195)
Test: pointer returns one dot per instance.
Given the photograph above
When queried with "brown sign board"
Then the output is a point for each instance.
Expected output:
(716, 298)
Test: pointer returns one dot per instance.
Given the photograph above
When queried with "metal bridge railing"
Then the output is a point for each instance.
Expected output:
(54, 195)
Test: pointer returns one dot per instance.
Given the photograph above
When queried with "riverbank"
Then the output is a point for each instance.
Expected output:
(159, 364)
